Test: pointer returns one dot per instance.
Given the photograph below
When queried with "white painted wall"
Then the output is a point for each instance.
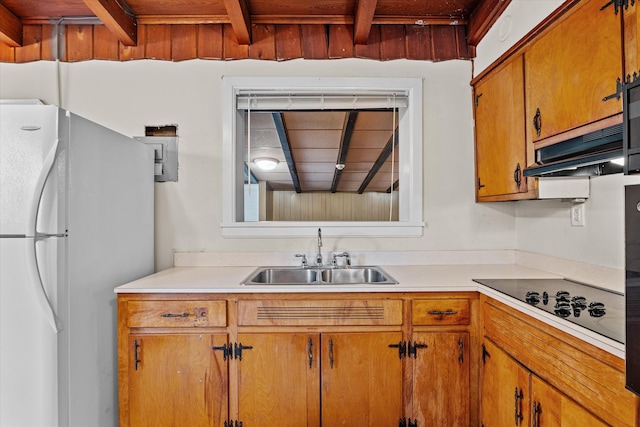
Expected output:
(127, 96)
(520, 17)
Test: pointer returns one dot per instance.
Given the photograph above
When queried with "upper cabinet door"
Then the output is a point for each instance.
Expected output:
(500, 132)
(571, 69)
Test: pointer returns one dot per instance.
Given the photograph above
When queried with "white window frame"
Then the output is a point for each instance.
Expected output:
(410, 223)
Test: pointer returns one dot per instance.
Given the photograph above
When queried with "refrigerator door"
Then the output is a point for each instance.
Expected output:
(28, 356)
(28, 150)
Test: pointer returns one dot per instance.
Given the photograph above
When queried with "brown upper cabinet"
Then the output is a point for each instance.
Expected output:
(571, 71)
(500, 133)
(560, 81)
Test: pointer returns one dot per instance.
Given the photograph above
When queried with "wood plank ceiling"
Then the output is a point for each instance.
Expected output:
(309, 145)
(431, 30)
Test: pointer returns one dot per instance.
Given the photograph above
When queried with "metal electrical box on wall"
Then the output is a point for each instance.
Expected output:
(166, 155)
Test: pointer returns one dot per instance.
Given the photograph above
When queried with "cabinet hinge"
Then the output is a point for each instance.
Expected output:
(237, 353)
(618, 93)
(413, 350)
(232, 423)
(617, 4)
(408, 423)
(402, 348)
(232, 351)
(227, 351)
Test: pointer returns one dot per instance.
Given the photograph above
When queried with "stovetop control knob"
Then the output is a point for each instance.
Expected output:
(579, 303)
(532, 297)
(562, 296)
(545, 298)
(596, 309)
(563, 311)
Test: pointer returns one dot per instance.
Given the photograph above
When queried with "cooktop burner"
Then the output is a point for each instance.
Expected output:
(597, 309)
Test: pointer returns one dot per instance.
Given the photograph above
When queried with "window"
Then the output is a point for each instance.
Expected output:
(289, 121)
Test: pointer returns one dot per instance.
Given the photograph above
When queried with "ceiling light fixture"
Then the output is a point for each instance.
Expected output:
(340, 166)
(266, 163)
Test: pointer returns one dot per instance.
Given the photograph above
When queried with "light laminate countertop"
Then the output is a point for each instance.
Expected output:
(411, 278)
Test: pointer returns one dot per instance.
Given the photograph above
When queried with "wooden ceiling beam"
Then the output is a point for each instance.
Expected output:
(278, 121)
(483, 17)
(10, 28)
(363, 21)
(238, 12)
(115, 18)
(347, 133)
(384, 155)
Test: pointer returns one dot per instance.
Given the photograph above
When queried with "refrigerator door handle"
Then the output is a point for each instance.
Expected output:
(31, 255)
(41, 293)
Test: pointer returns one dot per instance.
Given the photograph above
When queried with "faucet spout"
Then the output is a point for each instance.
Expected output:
(319, 256)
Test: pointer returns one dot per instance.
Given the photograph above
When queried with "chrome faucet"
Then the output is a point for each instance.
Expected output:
(347, 259)
(319, 256)
(304, 260)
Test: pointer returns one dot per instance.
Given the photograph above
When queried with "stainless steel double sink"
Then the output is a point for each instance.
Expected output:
(365, 275)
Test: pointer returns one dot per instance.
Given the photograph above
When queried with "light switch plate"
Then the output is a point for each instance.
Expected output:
(578, 215)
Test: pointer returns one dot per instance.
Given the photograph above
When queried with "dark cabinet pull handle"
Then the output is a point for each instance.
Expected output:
(485, 354)
(537, 122)
(518, 413)
(535, 416)
(331, 352)
(442, 313)
(175, 315)
(310, 352)
(517, 175)
(136, 354)
(461, 348)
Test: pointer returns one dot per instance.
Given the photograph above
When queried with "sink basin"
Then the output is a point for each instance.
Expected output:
(319, 276)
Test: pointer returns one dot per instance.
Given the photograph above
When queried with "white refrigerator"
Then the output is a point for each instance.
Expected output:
(76, 220)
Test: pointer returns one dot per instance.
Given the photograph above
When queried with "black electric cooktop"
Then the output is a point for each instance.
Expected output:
(597, 309)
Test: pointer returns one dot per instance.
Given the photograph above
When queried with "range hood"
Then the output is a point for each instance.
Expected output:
(585, 155)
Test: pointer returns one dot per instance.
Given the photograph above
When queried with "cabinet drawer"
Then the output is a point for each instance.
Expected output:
(176, 314)
(440, 312)
(310, 313)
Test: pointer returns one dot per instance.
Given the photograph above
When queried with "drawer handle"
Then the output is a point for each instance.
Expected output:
(442, 313)
(175, 315)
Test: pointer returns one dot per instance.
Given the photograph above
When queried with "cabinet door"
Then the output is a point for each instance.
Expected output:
(505, 389)
(441, 379)
(177, 380)
(572, 68)
(551, 408)
(278, 380)
(631, 45)
(361, 379)
(500, 131)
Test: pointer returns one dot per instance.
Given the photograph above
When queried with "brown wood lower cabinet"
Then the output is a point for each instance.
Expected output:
(512, 395)
(294, 379)
(363, 360)
(441, 379)
(535, 375)
(176, 380)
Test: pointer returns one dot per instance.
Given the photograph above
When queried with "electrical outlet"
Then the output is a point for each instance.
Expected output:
(577, 215)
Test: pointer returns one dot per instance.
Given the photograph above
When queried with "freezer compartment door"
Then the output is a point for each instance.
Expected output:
(31, 170)
(28, 344)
